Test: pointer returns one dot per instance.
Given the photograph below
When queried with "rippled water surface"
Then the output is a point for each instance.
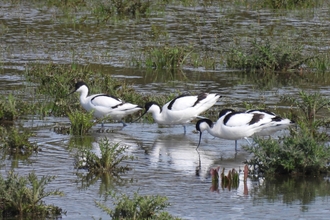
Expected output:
(166, 158)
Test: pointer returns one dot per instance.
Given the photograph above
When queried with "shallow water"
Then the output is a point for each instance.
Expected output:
(166, 158)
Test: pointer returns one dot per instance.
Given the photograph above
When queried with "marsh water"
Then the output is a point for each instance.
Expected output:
(166, 157)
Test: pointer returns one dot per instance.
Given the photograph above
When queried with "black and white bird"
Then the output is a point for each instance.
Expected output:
(278, 123)
(234, 125)
(181, 110)
(104, 105)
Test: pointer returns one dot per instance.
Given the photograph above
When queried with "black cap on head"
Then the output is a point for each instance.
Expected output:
(149, 104)
(79, 84)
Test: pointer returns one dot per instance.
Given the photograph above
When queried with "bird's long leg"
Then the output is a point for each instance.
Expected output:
(247, 140)
(124, 124)
(236, 145)
(184, 129)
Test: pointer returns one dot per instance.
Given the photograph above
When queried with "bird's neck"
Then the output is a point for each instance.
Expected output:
(157, 115)
(83, 96)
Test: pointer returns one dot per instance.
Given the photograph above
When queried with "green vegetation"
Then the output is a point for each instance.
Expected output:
(139, 207)
(290, 4)
(23, 196)
(121, 8)
(16, 141)
(167, 57)
(268, 55)
(304, 151)
(309, 113)
(109, 160)
(11, 108)
(81, 122)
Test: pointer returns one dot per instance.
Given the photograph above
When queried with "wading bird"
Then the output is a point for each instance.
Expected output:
(104, 105)
(182, 109)
(234, 125)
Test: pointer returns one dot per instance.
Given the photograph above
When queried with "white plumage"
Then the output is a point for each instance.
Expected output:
(234, 125)
(278, 123)
(104, 105)
(181, 110)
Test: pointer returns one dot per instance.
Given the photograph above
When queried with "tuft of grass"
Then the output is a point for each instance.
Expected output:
(81, 122)
(290, 4)
(307, 112)
(16, 141)
(166, 57)
(11, 108)
(107, 162)
(137, 207)
(122, 8)
(23, 196)
(267, 56)
(296, 154)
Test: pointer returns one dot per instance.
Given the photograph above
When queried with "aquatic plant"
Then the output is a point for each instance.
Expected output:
(121, 8)
(138, 207)
(8, 109)
(16, 141)
(11, 108)
(307, 112)
(229, 181)
(267, 55)
(166, 57)
(290, 4)
(81, 122)
(107, 162)
(295, 154)
(23, 196)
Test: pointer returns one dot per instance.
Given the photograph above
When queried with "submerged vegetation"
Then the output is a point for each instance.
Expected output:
(229, 181)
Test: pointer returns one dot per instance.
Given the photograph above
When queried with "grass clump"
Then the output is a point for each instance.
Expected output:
(304, 151)
(166, 57)
(23, 196)
(121, 8)
(297, 154)
(11, 108)
(107, 162)
(15, 141)
(307, 113)
(139, 207)
(267, 56)
(81, 122)
(290, 4)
